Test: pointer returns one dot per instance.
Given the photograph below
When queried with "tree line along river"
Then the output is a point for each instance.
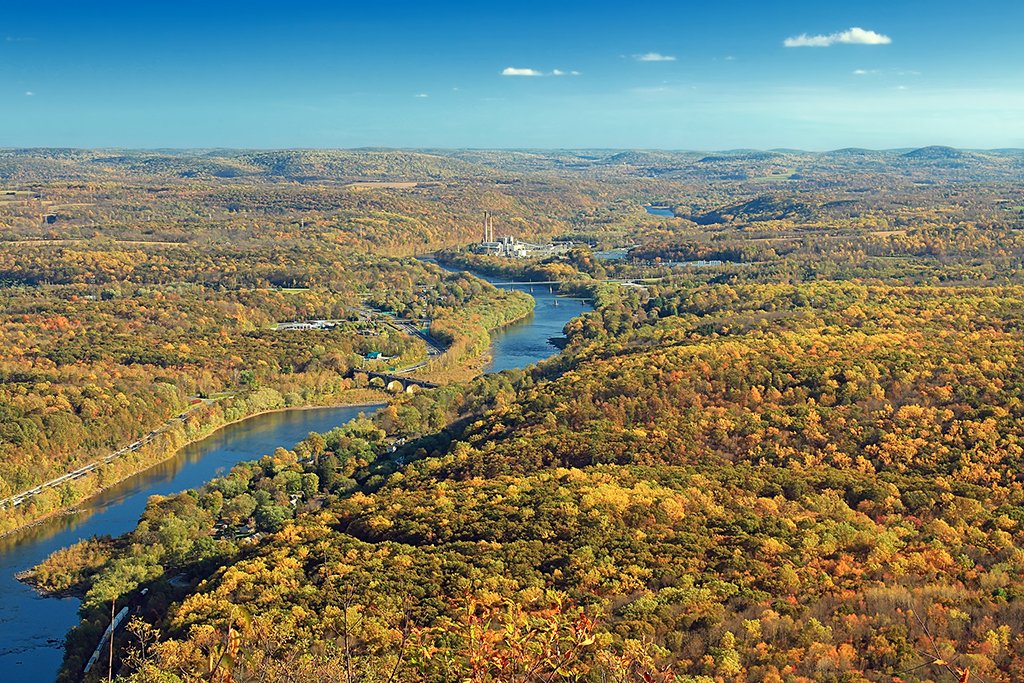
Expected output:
(32, 627)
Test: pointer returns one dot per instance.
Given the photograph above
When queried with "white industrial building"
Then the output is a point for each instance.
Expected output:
(508, 246)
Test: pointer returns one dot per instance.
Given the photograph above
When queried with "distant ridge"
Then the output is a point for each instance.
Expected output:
(745, 155)
(936, 152)
(850, 152)
(501, 166)
(763, 208)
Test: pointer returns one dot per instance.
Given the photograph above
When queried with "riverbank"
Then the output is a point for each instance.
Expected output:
(514, 341)
(469, 333)
(513, 346)
(167, 442)
(33, 625)
(359, 397)
(466, 332)
(27, 575)
(471, 366)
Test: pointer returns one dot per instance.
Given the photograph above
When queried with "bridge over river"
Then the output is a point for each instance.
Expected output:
(393, 381)
(616, 281)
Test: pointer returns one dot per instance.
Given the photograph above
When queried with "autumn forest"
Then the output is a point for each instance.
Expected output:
(787, 444)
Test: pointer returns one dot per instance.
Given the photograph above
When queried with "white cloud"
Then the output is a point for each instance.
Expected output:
(29, 93)
(864, 72)
(514, 71)
(853, 36)
(422, 94)
(654, 57)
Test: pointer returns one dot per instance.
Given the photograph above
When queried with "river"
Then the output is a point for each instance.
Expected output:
(531, 339)
(32, 627)
(528, 340)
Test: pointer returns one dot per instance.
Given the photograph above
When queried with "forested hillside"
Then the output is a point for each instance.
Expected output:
(785, 447)
(749, 481)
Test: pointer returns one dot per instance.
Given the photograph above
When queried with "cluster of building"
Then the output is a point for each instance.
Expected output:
(308, 325)
(508, 246)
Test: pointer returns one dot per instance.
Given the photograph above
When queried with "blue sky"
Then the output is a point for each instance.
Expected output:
(674, 75)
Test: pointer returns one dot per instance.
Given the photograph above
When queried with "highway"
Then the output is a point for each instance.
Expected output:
(413, 329)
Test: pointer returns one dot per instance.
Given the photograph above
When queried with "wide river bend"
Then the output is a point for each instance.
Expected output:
(32, 627)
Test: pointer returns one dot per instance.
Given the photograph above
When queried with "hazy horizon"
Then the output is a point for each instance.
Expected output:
(386, 148)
